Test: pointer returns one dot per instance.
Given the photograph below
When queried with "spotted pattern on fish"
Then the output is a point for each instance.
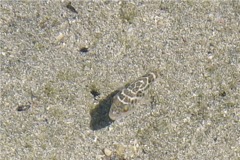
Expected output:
(123, 102)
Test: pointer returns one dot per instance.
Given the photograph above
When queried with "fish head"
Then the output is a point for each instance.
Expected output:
(118, 109)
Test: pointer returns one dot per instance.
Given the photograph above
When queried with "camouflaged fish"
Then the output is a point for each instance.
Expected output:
(123, 102)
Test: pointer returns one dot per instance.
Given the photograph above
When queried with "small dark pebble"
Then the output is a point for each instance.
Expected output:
(46, 120)
(222, 94)
(215, 139)
(71, 8)
(95, 93)
(23, 108)
(84, 49)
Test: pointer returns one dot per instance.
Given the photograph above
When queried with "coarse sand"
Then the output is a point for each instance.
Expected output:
(62, 61)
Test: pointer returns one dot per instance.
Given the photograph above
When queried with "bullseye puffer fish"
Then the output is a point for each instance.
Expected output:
(123, 102)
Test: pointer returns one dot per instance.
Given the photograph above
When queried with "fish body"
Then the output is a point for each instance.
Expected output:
(123, 102)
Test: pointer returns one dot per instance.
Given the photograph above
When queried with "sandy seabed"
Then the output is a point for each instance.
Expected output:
(62, 62)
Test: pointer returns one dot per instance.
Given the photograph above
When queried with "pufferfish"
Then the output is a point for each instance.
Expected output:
(125, 99)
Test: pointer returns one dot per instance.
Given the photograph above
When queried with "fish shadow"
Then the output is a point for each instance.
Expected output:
(99, 115)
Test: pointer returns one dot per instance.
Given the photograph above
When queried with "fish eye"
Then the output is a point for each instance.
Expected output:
(125, 109)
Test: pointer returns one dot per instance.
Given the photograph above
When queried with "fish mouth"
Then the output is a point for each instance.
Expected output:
(115, 116)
